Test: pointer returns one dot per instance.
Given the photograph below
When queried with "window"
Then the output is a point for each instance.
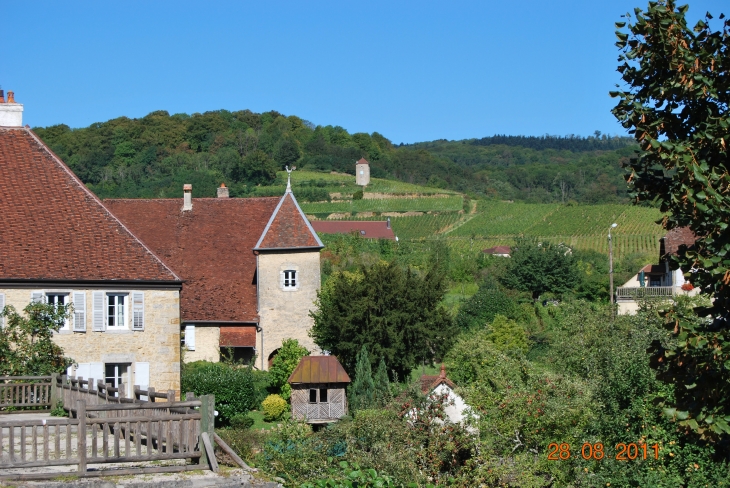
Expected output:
(58, 299)
(323, 395)
(290, 279)
(116, 374)
(312, 396)
(116, 310)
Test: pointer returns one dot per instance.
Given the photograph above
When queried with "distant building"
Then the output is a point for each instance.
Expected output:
(503, 251)
(456, 409)
(362, 172)
(370, 229)
(318, 390)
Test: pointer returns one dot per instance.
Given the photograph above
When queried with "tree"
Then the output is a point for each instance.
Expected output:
(676, 104)
(540, 267)
(283, 365)
(26, 343)
(392, 309)
(256, 168)
(381, 384)
(482, 307)
(362, 389)
(507, 335)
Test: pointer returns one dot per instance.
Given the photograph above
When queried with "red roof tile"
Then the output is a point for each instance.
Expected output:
(674, 238)
(54, 228)
(319, 369)
(370, 229)
(288, 228)
(210, 247)
(428, 383)
(362, 161)
(497, 250)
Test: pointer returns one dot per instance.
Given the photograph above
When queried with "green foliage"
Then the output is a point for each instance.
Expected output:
(507, 335)
(285, 361)
(381, 385)
(26, 342)
(233, 387)
(241, 421)
(274, 407)
(484, 305)
(58, 410)
(540, 267)
(392, 309)
(352, 477)
(361, 392)
(357, 195)
(676, 105)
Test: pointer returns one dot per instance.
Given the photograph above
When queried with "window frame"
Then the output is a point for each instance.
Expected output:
(66, 300)
(289, 279)
(125, 311)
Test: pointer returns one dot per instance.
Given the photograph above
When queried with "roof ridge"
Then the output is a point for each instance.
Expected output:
(84, 188)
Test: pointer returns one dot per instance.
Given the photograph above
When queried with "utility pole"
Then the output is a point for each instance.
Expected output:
(610, 269)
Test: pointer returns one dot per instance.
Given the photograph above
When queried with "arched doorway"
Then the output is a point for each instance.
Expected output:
(272, 356)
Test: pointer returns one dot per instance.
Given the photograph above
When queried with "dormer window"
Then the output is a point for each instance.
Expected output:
(289, 279)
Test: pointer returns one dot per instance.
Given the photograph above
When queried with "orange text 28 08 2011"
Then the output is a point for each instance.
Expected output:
(623, 451)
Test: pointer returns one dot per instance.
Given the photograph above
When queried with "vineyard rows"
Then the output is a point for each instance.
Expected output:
(447, 204)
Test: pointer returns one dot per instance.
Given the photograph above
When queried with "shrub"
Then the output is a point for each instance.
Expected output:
(241, 421)
(285, 361)
(357, 195)
(232, 386)
(481, 308)
(274, 408)
(244, 442)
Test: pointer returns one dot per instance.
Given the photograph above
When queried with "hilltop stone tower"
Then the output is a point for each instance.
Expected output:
(362, 172)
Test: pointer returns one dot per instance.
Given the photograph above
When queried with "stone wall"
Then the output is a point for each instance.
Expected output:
(158, 344)
(207, 348)
(285, 314)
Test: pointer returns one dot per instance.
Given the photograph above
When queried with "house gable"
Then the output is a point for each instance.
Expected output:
(288, 228)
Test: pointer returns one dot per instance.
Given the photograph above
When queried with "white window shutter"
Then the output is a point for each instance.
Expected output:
(138, 310)
(83, 370)
(79, 318)
(36, 297)
(96, 371)
(190, 337)
(98, 299)
(2, 305)
(142, 376)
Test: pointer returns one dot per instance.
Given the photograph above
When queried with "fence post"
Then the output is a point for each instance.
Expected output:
(170, 395)
(207, 419)
(55, 397)
(81, 435)
(150, 394)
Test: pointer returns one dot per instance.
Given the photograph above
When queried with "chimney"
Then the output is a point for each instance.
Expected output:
(11, 113)
(387, 223)
(187, 197)
(223, 191)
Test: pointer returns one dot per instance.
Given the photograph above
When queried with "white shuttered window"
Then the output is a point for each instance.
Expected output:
(98, 306)
(79, 318)
(190, 337)
(138, 311)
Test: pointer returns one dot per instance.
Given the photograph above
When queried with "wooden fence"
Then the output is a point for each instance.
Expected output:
(23, 392)
(106, 428)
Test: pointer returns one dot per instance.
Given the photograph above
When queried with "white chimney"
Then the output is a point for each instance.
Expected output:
(187, 197)
(11, 113)
(387, 224)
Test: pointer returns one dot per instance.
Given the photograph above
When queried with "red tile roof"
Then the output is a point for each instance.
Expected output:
(288, 228)
(54, 228)
(210, 246)
(370, 229)
(237, 336)
(497, 250)
(674, 238)
(362, 161)
(428, 383)
(319, 369)
(654, 269)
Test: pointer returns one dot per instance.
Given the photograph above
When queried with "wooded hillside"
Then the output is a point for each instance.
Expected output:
(154, 155)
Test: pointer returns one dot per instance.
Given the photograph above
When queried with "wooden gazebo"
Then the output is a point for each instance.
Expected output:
(318, 390)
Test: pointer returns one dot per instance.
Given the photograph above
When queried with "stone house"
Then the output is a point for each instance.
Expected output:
(318, 386)
(59, 244)
(362, 172)
(250, 267)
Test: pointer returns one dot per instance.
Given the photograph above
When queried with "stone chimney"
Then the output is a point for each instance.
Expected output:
(223, 191)
(187, 197)
(11, 113)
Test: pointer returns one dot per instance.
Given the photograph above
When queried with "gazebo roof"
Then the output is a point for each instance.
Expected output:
(319, 369)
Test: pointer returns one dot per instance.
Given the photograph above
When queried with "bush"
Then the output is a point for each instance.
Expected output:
(285, 361)
(241, 421)
(244, 442)
(481, 308)
(357, 195)
(274, 408)
(232, 386)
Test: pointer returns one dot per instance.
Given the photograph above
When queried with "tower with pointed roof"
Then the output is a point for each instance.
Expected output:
(362, 172)
(288, 277)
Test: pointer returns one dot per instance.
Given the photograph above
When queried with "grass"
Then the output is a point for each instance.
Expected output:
(259, 422)
(414, 204)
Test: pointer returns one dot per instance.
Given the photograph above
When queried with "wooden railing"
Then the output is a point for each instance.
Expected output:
(624, 293)
(22, 392)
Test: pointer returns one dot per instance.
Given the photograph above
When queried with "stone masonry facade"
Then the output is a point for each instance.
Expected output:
(158, 344)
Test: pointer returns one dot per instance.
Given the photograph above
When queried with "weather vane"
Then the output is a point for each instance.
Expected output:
(288, 181)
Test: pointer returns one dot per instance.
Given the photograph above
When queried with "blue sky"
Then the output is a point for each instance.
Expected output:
(413, 71)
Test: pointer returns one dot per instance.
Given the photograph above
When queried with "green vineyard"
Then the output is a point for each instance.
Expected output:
(415, 204)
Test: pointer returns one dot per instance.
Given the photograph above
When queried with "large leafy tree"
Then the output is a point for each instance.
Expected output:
(541, 267)
(392, 309)
(675, 103)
